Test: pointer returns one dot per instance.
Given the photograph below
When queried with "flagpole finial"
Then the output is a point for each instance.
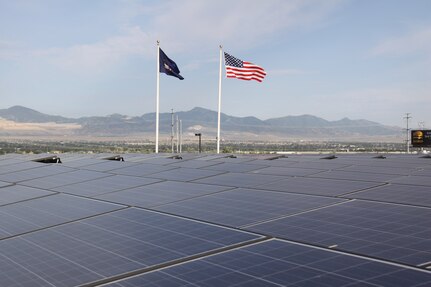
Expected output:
(158, 43)
(221, 47)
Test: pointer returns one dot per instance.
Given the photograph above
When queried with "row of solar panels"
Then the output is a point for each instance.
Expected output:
(208, 220)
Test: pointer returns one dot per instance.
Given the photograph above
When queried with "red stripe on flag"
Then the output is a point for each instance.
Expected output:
(248, 71)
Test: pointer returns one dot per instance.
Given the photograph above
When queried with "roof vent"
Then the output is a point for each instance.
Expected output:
(50, 159)
(380, 156)
(276, 157)
(329, 157)
(176, 157)
(115, 157)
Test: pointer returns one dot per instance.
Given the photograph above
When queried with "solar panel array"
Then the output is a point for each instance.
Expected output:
(215, 220)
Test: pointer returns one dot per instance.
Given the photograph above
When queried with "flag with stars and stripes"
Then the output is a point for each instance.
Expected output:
(236, 68)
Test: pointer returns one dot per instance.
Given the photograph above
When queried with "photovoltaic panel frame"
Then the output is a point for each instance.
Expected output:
(110, 245)
(392, 232)
(280, 263)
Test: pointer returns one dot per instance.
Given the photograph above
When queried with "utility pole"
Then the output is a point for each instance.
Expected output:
(181, 136)
(421, 127)
(407, 118)
(200, 141)
(178, 134)
(172, 130)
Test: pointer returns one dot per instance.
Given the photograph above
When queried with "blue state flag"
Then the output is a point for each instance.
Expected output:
(168, 66)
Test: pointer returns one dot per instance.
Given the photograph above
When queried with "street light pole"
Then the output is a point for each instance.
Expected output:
(200, 141)
(407, 117)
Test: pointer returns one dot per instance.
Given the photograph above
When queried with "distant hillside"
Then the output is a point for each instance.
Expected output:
(25, 115)
(304, 121)
(205, 121)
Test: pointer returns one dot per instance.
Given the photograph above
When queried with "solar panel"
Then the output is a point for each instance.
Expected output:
(279, 263)
(107, 165)
(423, 172)
(3, 184)
(321, 164)
(403, 162)
(141, 157)
(397, 193)
(194, 163)
(71, 224)
(15, 193)
(240, 179)
(388, 231)
(373, 160)
(15, 167)
(184, 174)
(281, 162)
(143, 169)
(110, 245)
(378, 170)
(352, 175)
(244, 206)
(161, 160)
(318, 186)
(212, 157)
(9, 161)
(287, 171)
(39, 213)
(235, 167)
(105, 185)
(57, 180)
(79, 162)
(233, 158)
(413, 180)
(161, 193)
(32, 173)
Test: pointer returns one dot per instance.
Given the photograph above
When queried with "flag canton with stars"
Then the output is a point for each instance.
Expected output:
(236, 68)
(232, 61)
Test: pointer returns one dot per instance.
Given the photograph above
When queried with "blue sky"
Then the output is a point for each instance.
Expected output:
(364, 59)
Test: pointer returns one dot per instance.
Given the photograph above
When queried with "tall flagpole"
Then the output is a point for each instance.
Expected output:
(219, 101)
(157, 96)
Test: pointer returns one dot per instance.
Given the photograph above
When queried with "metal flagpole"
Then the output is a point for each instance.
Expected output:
(219, 100)
(157, 96)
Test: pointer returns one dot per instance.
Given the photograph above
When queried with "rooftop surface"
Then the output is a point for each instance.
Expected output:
(215, 220)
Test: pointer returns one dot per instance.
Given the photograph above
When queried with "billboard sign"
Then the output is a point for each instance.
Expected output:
(421, 138)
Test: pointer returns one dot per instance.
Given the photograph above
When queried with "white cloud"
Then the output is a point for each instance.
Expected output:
(101, 54)
(415, 41)
(239, 24)
(189, 25)
(91, 57)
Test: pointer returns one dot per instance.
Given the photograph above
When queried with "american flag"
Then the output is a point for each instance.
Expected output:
(236, 68)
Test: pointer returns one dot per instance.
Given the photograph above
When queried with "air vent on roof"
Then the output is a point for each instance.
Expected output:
(329, 157)
(115, 157)
(50, 159)
(380, 156)
(176, 157)
(276, 157)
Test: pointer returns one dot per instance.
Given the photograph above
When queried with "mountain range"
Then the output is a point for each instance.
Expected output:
(307, 127)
